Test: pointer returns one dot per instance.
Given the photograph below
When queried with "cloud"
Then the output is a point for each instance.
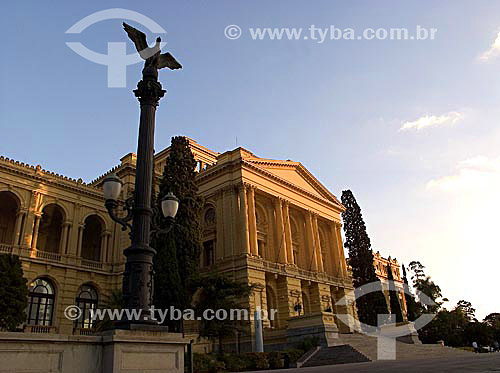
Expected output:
(477, 174)
(493, 51)
(432, 120)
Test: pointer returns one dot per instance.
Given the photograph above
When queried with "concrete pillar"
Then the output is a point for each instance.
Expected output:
(311, 247)
(288, 234)
(280, 232)
(259, 338)
(245, 239)
(254, 248)
(317, 244)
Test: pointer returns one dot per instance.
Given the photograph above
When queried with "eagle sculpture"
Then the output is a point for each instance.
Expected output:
(151, 55)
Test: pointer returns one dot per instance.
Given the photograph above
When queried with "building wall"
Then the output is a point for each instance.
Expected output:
(268, 223)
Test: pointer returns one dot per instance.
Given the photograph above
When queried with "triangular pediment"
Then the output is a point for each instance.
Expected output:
(296, 174)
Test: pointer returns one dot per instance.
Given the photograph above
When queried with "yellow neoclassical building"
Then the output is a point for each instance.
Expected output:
(267, 222)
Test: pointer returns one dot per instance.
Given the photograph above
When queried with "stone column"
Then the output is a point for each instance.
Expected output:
(81, 227)
(245, 240)
(219, 225)
(254, 248)
(104, 246)
(341, 249)
(17, 229)
(227, 195)
(288, 234)
(64, 238)
(337, 265)
(311, 247)
(36, 226)
(319, 255)
(280, 232)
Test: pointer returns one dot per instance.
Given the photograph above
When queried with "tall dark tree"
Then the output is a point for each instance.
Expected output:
(13, 293)
(411, 303)
(393, 296)
(361, 259)
(178, 252)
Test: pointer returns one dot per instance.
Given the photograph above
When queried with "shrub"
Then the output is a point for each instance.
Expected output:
(258, 360)
(308, 343)
(293, 354)
(236, 363)
(206, 363)
(275, 360)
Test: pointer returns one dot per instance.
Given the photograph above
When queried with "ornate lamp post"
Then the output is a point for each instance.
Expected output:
(138, 275)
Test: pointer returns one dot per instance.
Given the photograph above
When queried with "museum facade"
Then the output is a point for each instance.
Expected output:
(269, 223)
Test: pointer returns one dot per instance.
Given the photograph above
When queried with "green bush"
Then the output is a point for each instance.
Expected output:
(258, 360)
(308, 343)
(206, 363)
(293, 354)
(275, 360)
(236, 363)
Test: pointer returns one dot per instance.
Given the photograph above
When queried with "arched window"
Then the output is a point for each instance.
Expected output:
(49, 232)
(41, 302)
(86, 300)
(91, 238)
(8, 213)
(210, 218)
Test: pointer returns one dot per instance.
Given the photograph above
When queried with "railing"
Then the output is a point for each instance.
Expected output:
(91, 264)
(84, 331)
(41, 329)
(48, 255)
(4, 248)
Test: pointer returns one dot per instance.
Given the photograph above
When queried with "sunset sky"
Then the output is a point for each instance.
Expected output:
(410, 126)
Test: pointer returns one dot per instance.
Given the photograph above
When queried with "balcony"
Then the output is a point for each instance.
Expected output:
(27, 254)
(40, 329)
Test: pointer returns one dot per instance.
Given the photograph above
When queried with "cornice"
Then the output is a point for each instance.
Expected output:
(47, 177)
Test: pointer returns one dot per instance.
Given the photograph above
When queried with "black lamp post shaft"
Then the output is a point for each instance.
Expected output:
(138, 275)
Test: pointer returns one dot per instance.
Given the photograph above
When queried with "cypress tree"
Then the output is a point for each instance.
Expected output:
(178, 252)
(361, 260)
(13, 293)
(393, 296)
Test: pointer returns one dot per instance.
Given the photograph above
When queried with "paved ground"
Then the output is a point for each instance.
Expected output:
(475, 363)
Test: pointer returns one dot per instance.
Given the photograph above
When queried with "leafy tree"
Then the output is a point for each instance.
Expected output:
(493, 321)
(393, 296)
(423, 284)
(13, 293)
(361, 259)
(219, 292)
(411, 303)
(178, 252)
(467, 309)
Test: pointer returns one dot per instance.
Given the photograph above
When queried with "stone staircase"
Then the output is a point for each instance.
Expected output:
(358, 348)
(343, 354)
(404, 351)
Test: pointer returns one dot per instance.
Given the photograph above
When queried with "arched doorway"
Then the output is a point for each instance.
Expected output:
(9, 207)
(92, 238)
(49, 232)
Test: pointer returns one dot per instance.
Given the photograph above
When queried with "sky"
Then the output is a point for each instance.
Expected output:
(410, 126)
